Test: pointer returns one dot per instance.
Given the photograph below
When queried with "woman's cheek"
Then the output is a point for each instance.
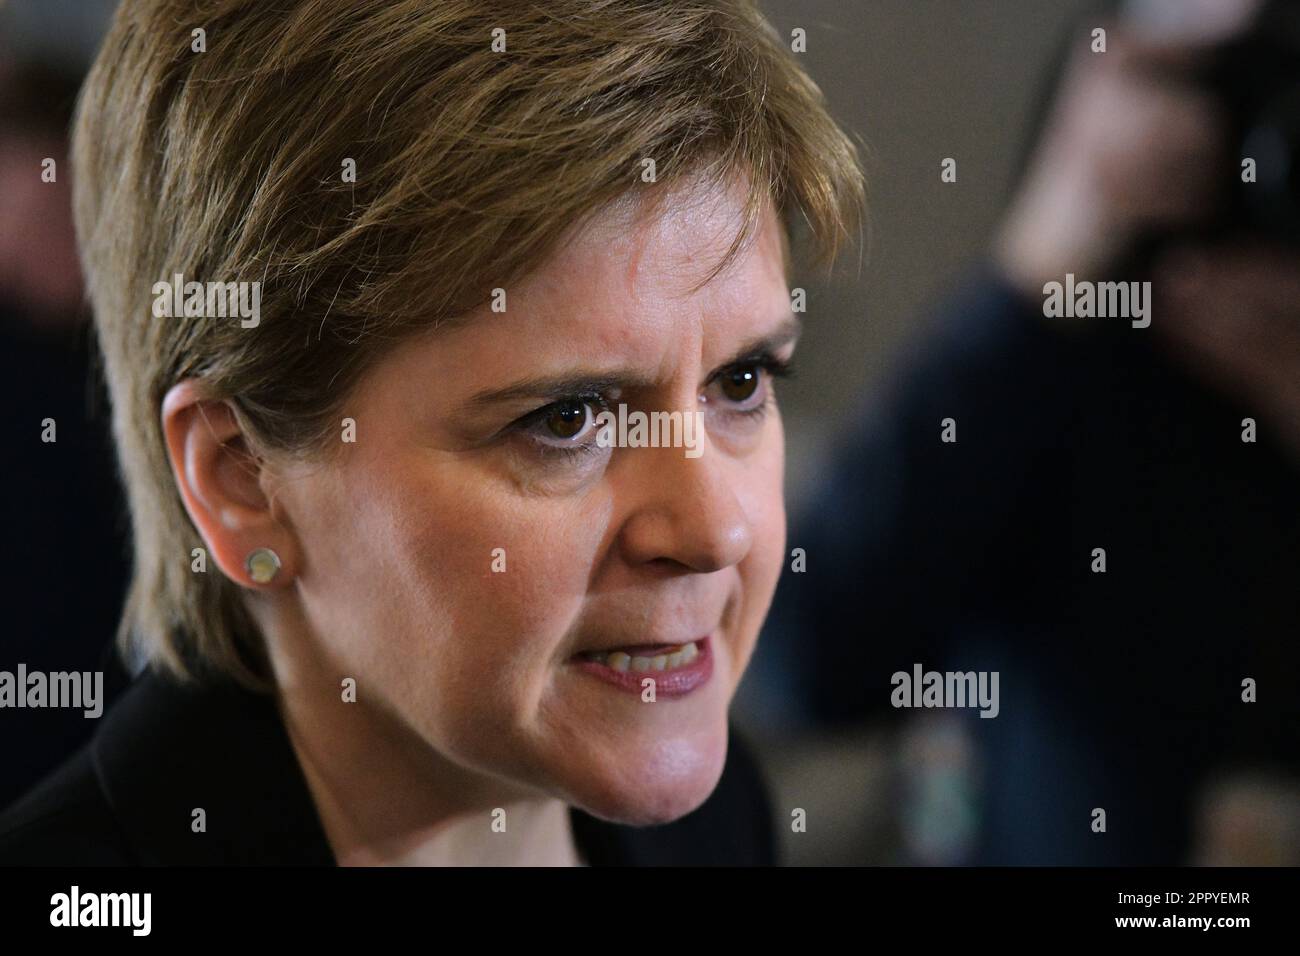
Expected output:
(509, 588)
(769, 507)
(763, 566)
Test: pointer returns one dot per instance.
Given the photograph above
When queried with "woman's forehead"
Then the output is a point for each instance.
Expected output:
(625, 252)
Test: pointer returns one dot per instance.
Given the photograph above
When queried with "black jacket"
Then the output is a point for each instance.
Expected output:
(126, 798)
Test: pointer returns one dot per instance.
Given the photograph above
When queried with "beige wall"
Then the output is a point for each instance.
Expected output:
(918, 80)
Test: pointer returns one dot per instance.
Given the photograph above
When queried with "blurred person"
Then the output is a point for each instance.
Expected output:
(398, 601)
(1122, 690)
(60, 499)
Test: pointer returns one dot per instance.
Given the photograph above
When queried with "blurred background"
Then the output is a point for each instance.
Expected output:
(1120, 690)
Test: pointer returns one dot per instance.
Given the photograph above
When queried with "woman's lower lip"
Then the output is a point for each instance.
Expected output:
(671, 682)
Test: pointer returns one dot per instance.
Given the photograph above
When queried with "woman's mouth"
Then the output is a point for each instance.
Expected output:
(675, 669)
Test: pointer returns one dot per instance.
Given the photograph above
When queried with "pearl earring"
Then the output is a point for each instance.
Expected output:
(263, 564)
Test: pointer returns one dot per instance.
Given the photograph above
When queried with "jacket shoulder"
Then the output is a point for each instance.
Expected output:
(63, 821)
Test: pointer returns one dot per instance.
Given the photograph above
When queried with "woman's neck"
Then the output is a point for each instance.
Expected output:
(385, 797)
(378, 808)
(533, 833)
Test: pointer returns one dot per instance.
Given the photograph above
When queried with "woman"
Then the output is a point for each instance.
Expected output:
(399, 598)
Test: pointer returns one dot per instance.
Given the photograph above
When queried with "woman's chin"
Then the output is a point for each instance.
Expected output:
(657, 784)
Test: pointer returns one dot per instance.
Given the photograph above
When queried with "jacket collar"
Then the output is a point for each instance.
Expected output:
(167, 750)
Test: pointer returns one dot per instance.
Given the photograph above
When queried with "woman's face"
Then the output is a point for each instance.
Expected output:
(476, 546)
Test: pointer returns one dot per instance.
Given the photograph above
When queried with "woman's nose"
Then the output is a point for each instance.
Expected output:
(685, 511)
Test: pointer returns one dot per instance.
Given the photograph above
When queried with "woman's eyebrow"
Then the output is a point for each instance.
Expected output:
(787, 332)
(555, 386)
(578, 382)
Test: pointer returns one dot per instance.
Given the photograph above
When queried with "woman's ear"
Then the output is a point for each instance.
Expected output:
(222, 484)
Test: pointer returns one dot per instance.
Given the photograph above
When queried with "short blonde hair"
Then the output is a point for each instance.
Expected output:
(471, 162)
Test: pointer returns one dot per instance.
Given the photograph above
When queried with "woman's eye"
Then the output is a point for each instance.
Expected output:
(569, 428)
(740, 384)
(567, 419)
(566, 425)
(746, 389)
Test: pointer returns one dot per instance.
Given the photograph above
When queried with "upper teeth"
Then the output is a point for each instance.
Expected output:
(620, 661)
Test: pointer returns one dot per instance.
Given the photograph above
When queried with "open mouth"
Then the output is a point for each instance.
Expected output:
(646, 658)
(673, 670)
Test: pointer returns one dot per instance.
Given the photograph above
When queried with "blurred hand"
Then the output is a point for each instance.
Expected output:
(1131, 145)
